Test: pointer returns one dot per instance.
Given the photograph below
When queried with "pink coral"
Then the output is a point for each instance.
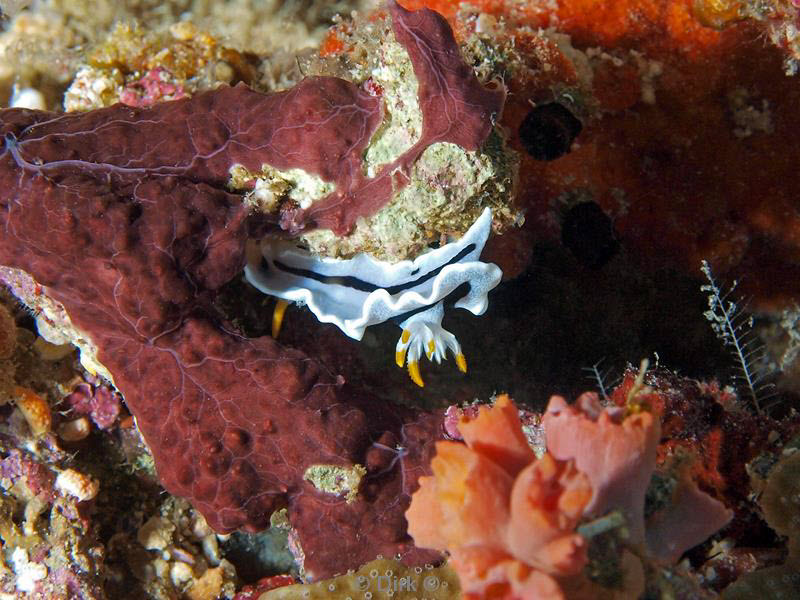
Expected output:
(95, 399)
(157, 85)
(531, 424)
(506, 517)
(452, 416)
(688, 519)
(616, 451)
(22, 467)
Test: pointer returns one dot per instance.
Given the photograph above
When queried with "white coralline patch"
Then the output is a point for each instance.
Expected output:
(93, 88)
(336, 479)
(362, 291)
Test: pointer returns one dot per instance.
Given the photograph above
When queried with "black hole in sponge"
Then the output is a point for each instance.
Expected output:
(548, 130)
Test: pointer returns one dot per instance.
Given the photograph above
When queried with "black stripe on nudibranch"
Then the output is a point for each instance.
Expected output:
(365, 286)
(449, 300)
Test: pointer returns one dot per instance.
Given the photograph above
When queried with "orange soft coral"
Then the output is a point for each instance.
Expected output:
(506, 518)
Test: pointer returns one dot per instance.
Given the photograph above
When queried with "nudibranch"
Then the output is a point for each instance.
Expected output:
(361, 291)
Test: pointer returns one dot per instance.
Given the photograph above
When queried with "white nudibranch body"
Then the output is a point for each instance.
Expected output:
(362, 291)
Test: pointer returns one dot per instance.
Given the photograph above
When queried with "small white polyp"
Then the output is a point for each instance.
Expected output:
(362, 291)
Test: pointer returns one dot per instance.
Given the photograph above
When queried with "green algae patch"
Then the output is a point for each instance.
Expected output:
(402, 124)
(336, 480)
(378, 580)
(448, 189)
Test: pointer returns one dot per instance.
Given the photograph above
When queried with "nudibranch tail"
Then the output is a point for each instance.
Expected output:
(423, 334)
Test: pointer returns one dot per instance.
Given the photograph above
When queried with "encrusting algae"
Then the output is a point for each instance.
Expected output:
(780, 502)
(380, 579)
